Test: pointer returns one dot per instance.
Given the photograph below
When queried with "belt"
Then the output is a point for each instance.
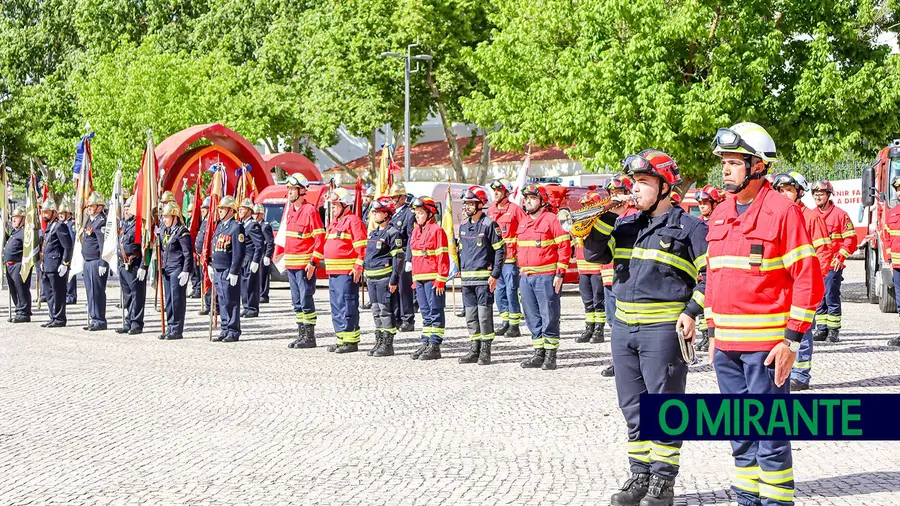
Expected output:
(12, 263)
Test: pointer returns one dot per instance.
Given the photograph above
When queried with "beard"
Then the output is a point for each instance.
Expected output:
(532, 208)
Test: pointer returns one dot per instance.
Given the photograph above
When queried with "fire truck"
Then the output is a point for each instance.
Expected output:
(877, 199)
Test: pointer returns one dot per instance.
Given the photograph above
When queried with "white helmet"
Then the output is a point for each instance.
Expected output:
(341, 195)
(746, 139)
(798, 177)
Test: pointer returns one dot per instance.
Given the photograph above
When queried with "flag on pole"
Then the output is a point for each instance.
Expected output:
(195, 211)
(110, 251)
(216, 192)
(447, 225)
(357, 208)
(31, 239)
(146, 198)
(521, 178)
(280, 241)
(4, 201)
(84, 187)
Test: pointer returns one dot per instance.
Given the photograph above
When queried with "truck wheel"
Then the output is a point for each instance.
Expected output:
(887, 302)
(871, 272)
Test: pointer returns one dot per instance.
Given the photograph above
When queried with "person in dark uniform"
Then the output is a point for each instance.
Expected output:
(403, 221)
(384, 261)
(269, 237)
(198, 250)
(225, 271)
(57, 254)
(197, 276)
(19, 290)
(96, 270)
(254, 249)
(178, 262)
(132, 275)
(368, 198)
(65, 212)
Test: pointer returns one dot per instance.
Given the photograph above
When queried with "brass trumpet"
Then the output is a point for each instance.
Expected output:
(579, 223)
(687, 347)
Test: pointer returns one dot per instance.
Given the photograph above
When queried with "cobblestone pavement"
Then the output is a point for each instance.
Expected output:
(99, 418)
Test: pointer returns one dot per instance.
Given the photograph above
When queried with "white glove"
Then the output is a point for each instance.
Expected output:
(266, 261)
(183, 278)
(141, 274)
(62, 271)
(408, 267)
(232, 279)
(102, 270)
(254, 266)
(211, 272)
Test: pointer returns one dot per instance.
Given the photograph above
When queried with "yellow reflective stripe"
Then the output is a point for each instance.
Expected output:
(844, 252)
(560, 265)
(378, 272)
(802, 365)
(442, 279)
(779, 493)
(561, 239)
(751, 472)
(511, 240)
(318, 255)
(746, 484)
(650, 307)
(797, 254)
(776, 477)
(648, 312)
(539, 269)
(622, 253)
(528, 244)
(358, 244)
(837, 235)
(339, 235)
(700, 262)
(749, 320)
(699, 298)
(665, 258)
(497, 245)
(735, 262)
(602, 227)
(337, 262)
(425, 276)
(395, 252)
(798, 313)
(893, 232)
(639, 450)
(664, 453)
(298, 235)
(475, 274)
(749, 335)
(584, 264)
(429, 252)
(848, 233)
(317, 231)
(821, 242)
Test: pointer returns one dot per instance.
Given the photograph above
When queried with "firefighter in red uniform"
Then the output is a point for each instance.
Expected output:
(430, 268)
(544, 251)
(892, 228)
(303, 251)
(843, 242)
(707, 199)
(345, 252)
(763, 285)
(590, 286)
(793, 186)
(508, 216)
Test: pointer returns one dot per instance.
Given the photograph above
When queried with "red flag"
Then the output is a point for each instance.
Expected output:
(146, 198)
(216, 191)
(359, 200)
(198, 203)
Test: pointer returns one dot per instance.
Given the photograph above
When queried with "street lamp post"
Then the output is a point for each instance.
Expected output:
(408, 57)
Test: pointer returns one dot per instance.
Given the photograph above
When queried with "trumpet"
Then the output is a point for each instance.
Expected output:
(687, 347)
(579, 223)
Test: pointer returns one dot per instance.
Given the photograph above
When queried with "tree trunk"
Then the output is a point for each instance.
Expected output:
(373, 157)
(452, 144)
(484, 162)
(49, 177)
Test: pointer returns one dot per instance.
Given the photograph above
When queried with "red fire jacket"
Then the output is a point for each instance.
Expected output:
(840, 227)
(763, 282)
(304, 236)
(892, 228)
(345, 245)
(818, 234)
(508, 218)
(544, 247)
(430, 254)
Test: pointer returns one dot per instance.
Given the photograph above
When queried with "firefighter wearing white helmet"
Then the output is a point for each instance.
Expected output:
(303, 252)
(404, 220)
(762, 289)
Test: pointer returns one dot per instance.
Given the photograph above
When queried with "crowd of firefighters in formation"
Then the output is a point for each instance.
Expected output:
(755, 269)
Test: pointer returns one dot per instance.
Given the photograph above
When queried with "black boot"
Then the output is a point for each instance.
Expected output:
(820, 334)
(432, 352)
(301, 336)
(586, 333)
(660, 492)
(387, 345)
(599, 334)
(472, 356)
(501, 330)
(379, 339)
(309, 337)
(535, 360)
(513, 331)
(894, 342)
(461, 313)
(484, 355)
(632, 491)
(797, 385)
(418, 351)
(702, 343)
(407, 327)
(367, 305)
(609, 372)
(833, 336)
(347, 348)
(549, 361)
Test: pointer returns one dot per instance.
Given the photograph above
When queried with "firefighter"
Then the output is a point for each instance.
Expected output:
(590, 286)
(345, 253)
(303, 251)
(57, 255)
(675, 199)
(544, 251)
(65, 213)
(663, 242)
(178, 263)
(385, 258)
(269, 236)
(430, 268)
(843, 242)
(763, 286)
(197, 275)
(793, 186)
(482, 252)
(403, 220)
(507, 215)
(19, 290)
(368, 198)
(198, 251)
(892, 228)
(254, 249)
(96, 270)
(225, 270)
(707, 200)
(132, 275)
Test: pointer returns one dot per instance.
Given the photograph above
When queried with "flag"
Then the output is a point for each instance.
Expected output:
(281, 240)
(84, 187)
(110, 251)
(146, 199)
(216, 192)
(4, 201)
(195, 212)
(45, 193)
(187, 196)
(521, 178)
(359, 197)
(31, 240)
(447, 225)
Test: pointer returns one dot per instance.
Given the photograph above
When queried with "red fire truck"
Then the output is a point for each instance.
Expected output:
(877, 199)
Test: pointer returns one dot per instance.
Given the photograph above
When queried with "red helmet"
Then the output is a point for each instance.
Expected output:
(426, 203)
(716, 194)
(533, 189)
(475, 194)
(590, 198)
(652, 162)
(384, 204)
(619, 183)
(823, 186)
(675, 198)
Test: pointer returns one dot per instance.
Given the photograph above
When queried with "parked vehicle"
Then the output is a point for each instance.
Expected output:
(877, 199)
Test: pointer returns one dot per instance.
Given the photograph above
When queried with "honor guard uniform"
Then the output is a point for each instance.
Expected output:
(227, 257)
(793, 186)
(178, 262)
(198, 251)
(508, 216)
(303, 251)
(132, 275)
(707, 199)
(659, 255)
(254, 249)
(385, 258)
(403, 221)
(57, 255)
(368, 200)
(482, 252)
(197, 275)
(269, 238)
(843, 242)
(544, 251)
(763, 286)
(345, 253)
(65, 212)
(19, 290)
(96, 270)
(590, 286)
(430, 268)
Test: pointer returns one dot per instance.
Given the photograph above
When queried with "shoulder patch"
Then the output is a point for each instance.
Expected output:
(240, 237)
(497, 230)
(849, 225)
(398, 242)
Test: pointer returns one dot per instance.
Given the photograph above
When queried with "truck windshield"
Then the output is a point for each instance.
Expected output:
(894, 172)
(273, 214)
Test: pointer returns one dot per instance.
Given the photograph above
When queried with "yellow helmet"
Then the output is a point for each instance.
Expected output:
(129, 201)
(259, 209)
(248, 204)
(63, 208)
(96, 200)
(19, 211)
(171, 209)
(48, 205)
(397, 189)
(227, 202)
(166, 197)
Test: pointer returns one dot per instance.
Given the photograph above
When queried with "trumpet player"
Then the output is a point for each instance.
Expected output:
(658, 255)
(590, 285)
